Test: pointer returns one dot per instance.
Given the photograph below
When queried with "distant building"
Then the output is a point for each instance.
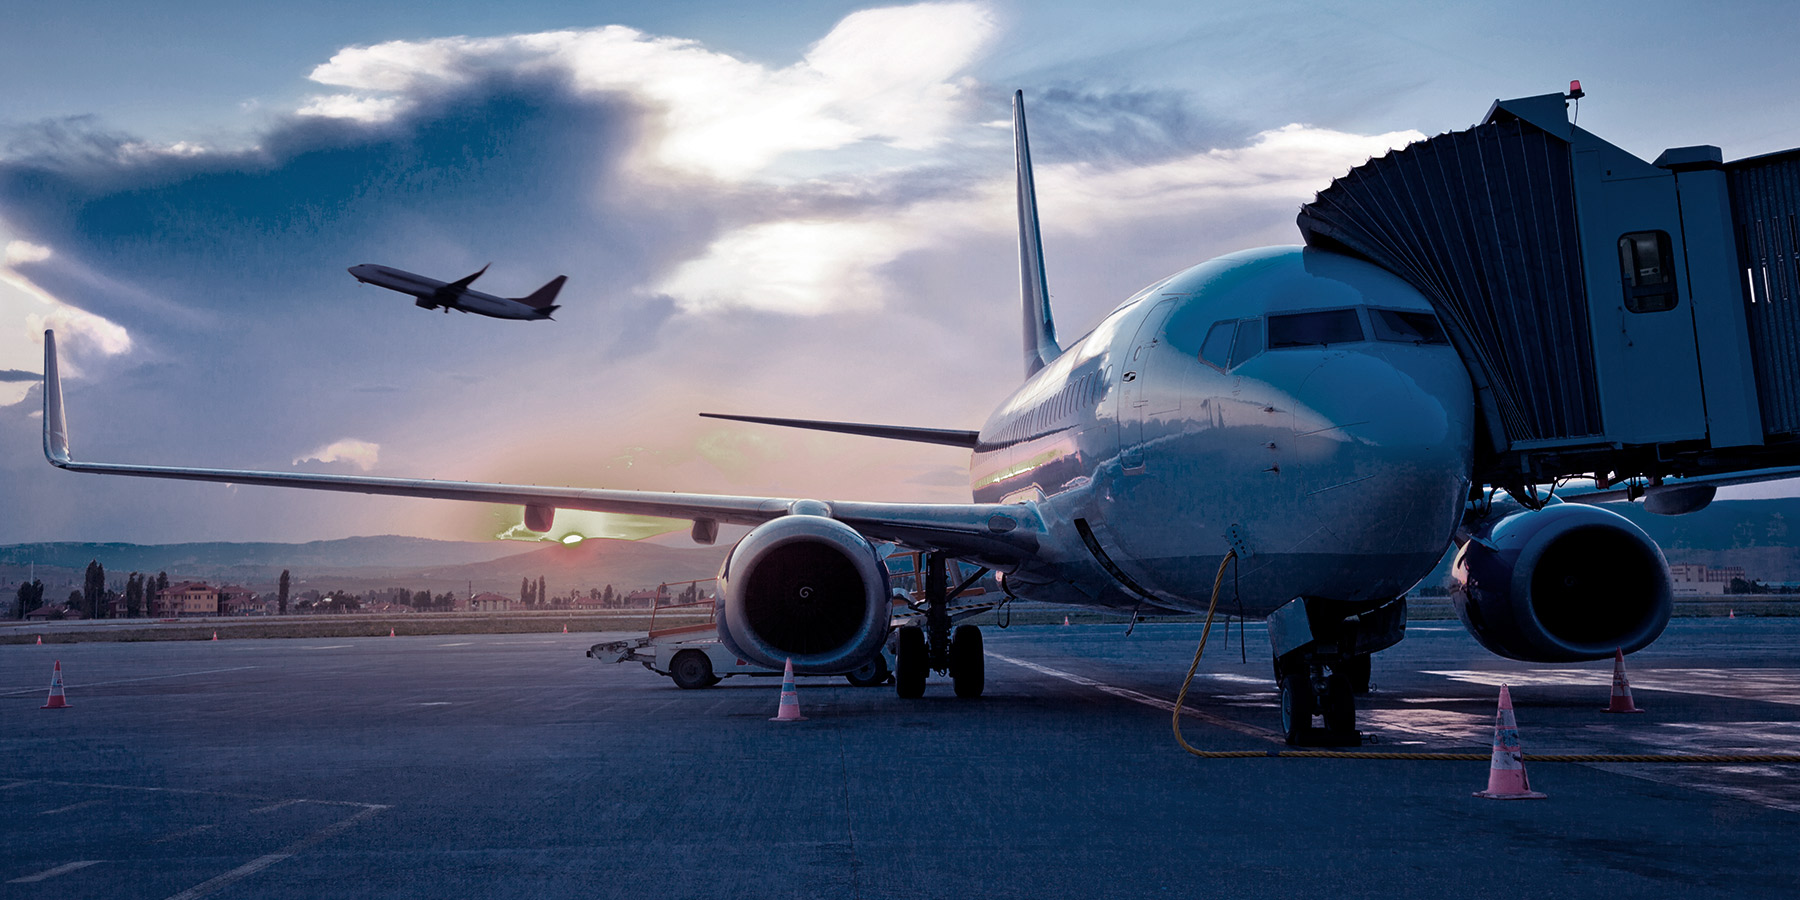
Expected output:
(237, 600)
(1694, 579)
(187, 598)
(491, 602)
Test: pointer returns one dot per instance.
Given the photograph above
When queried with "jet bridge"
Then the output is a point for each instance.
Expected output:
(1617, 317)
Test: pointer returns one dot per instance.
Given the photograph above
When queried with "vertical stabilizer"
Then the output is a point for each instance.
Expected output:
(1034, 292)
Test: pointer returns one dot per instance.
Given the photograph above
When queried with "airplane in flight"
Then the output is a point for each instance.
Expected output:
(1299, 408)
(457, 295)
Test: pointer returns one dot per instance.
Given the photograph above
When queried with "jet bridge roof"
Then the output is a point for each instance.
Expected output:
(1616, 315)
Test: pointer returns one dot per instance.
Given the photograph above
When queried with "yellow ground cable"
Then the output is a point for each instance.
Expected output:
(1181, 698)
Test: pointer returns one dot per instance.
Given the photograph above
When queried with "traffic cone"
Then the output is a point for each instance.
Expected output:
(789, 711)
(1621, 692)
(215, 635)
(1506, 772)
(1065, 620)
(390, 631)
(565, 628)
(56, 700)
(1731, 614)
(40, 639)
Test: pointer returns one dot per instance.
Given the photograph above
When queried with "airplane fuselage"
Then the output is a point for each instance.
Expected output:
(1332, 449)
(433, 294)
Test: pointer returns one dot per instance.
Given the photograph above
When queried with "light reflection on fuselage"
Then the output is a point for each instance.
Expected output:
(1341, 468)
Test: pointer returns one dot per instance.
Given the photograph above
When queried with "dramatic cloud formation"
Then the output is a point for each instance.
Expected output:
(832, 238)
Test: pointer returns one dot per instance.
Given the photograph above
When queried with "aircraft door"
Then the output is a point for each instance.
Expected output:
(1133, 400)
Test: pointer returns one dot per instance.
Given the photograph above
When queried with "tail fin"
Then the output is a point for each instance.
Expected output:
(1040, 330)
(544, 296)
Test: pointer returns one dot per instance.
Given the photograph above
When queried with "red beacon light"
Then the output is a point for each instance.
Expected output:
(1575, 91)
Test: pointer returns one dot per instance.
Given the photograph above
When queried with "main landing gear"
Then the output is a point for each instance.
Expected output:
(1322, 661)
(935, 647)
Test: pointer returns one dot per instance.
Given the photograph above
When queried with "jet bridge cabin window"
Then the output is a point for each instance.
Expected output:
(1648, 270)
(1404, 327)
(1309, 329)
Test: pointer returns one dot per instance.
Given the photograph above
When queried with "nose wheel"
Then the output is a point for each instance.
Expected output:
(1310, 689)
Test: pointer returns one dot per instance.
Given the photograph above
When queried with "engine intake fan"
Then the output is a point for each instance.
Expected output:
(804, 587)
(1562, 584)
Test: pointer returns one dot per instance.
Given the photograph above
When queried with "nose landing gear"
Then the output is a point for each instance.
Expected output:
(1322, 661)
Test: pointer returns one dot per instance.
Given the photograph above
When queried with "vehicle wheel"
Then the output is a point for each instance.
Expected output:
(1358, 669)
(968, 668)
(912, 663)
(691, 670)
(1339, 704)
(1296, 708)
(870, 674)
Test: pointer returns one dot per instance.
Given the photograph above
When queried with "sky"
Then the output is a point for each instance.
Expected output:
(802, 209)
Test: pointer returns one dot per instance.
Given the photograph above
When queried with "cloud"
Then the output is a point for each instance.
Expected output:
(10, 375)
(885, 75)
(363, 454)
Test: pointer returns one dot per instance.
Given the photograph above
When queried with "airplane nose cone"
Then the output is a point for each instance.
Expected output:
(1391, 436)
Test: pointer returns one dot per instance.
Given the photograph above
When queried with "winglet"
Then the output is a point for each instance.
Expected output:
(1034, 291)
(56, 429)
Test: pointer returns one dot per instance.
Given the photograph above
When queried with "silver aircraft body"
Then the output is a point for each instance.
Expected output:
(1295, 411)
(448, 295)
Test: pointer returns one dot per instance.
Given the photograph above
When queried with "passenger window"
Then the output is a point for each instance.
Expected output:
(1334, 326)
(1249, 341)
(1407, 327)
(1216, 349)
(1648, 270)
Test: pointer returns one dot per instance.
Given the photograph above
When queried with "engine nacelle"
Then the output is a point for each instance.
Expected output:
(1562, 584)
(804, 587)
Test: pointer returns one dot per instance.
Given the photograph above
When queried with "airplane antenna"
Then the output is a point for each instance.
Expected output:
(1034, 291)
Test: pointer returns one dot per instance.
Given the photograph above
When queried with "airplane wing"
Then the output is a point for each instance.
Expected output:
(463, 283)
(993, 534)
(893, 432)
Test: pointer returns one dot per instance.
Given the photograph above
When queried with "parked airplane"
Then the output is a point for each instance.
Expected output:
(457, 295)
(1298, 407)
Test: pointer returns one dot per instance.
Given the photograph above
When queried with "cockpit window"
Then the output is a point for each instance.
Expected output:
(1332, 326)
(1216, 349)
(1407, 327)
(1249, 341)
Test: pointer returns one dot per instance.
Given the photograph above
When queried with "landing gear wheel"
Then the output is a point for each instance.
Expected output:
(1297, 705)
(911, 663)
(692, 670)
(968, 668)
(869, 674)
(1339, 706)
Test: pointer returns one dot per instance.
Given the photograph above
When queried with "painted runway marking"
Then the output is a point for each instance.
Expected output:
(71, 807)
(219, 882)
(63, 869)
(279, 804)
(1766, 685)
(436, 703)
(1145, 699)
(89, 684)
(330, 647)
(459, 644)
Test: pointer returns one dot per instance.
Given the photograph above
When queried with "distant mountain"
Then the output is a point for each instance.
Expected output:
(388, 550)
(369, 563)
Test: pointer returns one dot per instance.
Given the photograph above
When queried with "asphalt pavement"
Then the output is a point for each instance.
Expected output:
(511, 765)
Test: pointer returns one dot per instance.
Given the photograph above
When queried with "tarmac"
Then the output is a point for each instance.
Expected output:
(512, 766)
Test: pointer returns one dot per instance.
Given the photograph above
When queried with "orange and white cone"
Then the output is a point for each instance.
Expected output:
(1621, 692)
(789, 711)
(1065, 620)
(1506, 772)
(40, 639)
(215, 635)
(565, 629)
(56, 701)
(390, 631)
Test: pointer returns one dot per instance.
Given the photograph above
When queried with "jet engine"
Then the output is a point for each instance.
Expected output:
(1562, 584)
(804, 587)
